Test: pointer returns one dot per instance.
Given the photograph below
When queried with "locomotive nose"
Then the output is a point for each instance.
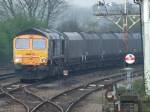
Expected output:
(34, 59)
(30, 49)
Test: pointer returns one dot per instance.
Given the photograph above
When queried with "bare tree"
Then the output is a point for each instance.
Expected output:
(55, 7)
(70, 26)
(9, 6)
(44, 10)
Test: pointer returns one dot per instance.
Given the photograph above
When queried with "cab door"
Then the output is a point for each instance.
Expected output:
(21, 49)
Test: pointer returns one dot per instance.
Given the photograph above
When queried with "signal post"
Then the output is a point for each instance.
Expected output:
(146, 37)
(145, 16)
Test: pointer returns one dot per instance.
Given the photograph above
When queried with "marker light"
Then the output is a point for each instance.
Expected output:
(17, 60)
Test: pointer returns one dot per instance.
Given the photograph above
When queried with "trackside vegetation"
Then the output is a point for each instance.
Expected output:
(138, 88)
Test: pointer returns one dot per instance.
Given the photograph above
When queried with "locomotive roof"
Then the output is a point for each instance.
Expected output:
(49, 33)
(73, 36)
(108, 36)
(32, 31)
(89, 36)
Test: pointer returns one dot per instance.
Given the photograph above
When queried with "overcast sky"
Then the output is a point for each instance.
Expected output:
(89, 3)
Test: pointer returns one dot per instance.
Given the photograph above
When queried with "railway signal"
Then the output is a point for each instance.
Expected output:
(130, 59)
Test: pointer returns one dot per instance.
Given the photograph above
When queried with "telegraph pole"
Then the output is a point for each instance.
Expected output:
(146, 43)
(145, 19)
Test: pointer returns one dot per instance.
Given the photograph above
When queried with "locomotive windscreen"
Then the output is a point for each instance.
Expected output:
(22, 43)
(39, 43)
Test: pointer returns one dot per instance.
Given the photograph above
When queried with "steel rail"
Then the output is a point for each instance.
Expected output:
(85, 86)
(91, 92)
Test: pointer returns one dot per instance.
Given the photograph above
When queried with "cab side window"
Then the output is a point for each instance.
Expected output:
(63, 47)
(56, 47)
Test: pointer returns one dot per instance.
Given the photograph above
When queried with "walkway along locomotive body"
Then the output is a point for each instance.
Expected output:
(72, 51)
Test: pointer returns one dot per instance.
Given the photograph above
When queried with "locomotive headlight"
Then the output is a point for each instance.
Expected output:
(17, 60)
(44, 60)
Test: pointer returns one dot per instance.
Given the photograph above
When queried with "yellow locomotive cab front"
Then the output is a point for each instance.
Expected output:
(30, 50)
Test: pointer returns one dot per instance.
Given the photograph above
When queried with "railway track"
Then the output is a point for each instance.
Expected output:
(29, 101)
(47, 106)
(63, 102)
(69, 98)
(7, 66)
(27, 98)
(4, 93)
(4, 68)
(6, 72)
(6, 103)
(8, 75)
(19, 93)
(98, 83)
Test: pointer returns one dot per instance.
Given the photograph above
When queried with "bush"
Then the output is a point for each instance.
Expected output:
(138, 87)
